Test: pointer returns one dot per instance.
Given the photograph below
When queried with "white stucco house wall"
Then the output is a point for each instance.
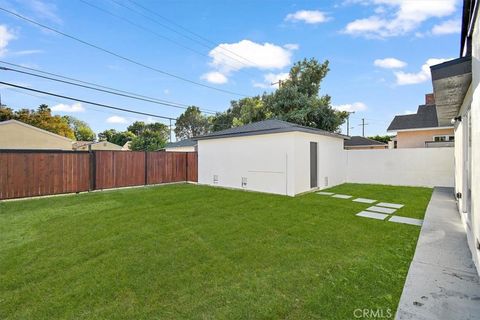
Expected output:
(272, 156)
(457, 95)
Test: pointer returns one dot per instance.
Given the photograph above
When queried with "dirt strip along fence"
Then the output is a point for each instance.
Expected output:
(29, 173)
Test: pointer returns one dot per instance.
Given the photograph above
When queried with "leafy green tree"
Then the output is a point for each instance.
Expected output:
(191, 123)
(243, 111)
(297, 100)
(6, 113)
(81, 129)
(116, 137)
(149, 140)
(383, 139)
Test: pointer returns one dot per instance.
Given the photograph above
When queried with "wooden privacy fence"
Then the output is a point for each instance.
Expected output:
(28, 173)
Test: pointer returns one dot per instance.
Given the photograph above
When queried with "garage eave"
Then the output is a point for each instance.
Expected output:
(451, 81)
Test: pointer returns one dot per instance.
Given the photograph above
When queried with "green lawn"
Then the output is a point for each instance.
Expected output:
(196, 252)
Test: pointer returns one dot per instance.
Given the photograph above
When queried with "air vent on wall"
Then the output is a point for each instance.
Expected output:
(215, 178)
(326, 181)
(244, 182)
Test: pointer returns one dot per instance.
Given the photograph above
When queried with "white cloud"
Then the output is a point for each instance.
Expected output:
(116, 119)
(6, 35)
(398, 17)
(308, 16)
(409, 112)
(254, 55)
(447, 27)
(27, 52)
(231, 57)
(166, 91)
(44, 10)
(291, 46)
(389, 63)
(405, 78)
(270, 78)
(215, 77)
(351, 107)
(76, 107)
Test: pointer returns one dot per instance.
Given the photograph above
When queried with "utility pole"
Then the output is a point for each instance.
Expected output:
(363, 127)
(279, 82)
(348, 122)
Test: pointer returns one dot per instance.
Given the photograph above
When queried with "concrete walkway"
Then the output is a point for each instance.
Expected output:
(442, 282)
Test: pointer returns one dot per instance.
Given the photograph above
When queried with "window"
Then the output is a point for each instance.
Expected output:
(443, 138)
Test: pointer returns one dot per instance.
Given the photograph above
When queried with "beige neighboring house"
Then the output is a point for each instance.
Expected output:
(127, 146)
(187, 145)
(96, 145)
(422, 129)
(18, 135)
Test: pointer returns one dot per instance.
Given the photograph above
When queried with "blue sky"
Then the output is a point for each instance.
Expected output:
(379, 52)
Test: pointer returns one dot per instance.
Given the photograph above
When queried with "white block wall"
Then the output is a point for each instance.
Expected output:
(427, 167)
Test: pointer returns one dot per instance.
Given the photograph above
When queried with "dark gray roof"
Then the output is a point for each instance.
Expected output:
(182, 143)
(356, 141)
(426, 117)
(266, 127)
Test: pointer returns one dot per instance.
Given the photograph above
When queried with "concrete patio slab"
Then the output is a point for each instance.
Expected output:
(373, 215)
(341, 196)
(412, 221)
(442, 282)
(325, 193)
(381, 209)
(364, 200)
(390, 205)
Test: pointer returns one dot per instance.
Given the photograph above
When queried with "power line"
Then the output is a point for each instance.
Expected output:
(154, 32)
(183, 28)
(86, 101)
(101, 90)
(104, 87)
(119, 55)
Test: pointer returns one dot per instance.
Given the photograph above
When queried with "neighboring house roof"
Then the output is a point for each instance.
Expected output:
(35, 128)
(81, 144)
(182, 143)
(426, 117)
(266, 127)
(357, 141)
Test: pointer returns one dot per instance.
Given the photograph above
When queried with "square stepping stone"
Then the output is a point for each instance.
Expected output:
(382, 210)
(325, 193)
(364, 200)
(390, 205)
(341, 196)
(373, 215)
(412, 221)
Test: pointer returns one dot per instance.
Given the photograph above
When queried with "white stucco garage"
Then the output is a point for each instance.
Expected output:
(272, 156)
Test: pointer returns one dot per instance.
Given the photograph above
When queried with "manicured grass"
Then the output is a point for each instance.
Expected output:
(196, 252)
(415, 200)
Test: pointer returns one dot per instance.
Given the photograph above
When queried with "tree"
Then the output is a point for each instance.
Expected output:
(150, 140)
(117, 137)
(191, 123)
(81, 129)
(383, 139)
(243, 111)
(297, 100)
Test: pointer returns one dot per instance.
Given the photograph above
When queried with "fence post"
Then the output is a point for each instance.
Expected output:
(93, 169)
(186, 166)
(146, 168)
